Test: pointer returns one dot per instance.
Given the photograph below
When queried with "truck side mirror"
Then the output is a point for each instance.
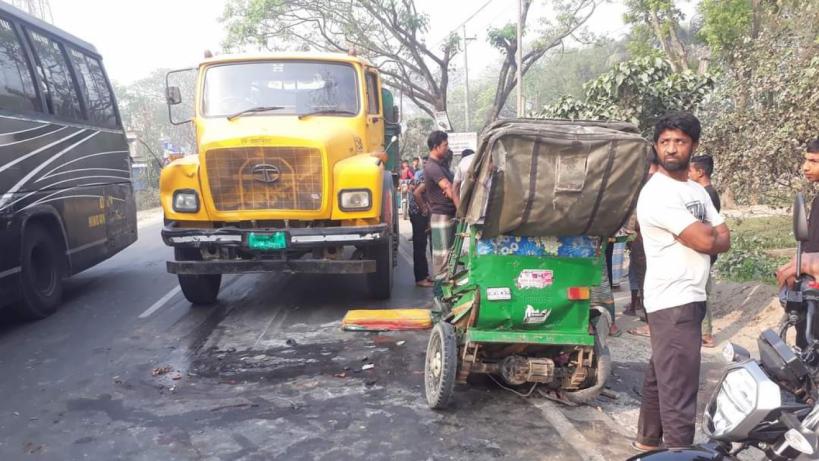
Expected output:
(800, 218)
(173, 96)
(176, 81)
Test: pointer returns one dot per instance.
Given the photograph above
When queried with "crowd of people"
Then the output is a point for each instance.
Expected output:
(673, 238)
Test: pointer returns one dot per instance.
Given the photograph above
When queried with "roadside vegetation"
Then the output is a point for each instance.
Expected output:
(758, 247)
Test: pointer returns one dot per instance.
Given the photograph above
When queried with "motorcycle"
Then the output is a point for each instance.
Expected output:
(770, 404)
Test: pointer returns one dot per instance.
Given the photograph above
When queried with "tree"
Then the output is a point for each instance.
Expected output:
(571, 15)
(390, 33)
(639, 91)
(144, 112)
(414, 138)
(764, 108)
(660, 20)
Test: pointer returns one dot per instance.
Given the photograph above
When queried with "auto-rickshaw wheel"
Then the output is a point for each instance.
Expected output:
(441, 365)
(603, 360)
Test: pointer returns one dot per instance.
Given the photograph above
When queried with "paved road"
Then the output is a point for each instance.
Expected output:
(265, 374)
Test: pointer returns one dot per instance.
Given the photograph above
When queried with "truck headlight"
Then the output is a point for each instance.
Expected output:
(185, 201)
(355, 200)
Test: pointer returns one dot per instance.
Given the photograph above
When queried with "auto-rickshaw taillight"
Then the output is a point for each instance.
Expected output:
(813, 285)
(578, 293)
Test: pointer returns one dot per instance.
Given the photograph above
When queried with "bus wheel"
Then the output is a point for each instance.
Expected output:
(42, 272)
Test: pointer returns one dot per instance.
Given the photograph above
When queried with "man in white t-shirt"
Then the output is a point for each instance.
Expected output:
(681, 229)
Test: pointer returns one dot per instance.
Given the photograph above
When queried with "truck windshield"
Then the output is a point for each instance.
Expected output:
(297, 87)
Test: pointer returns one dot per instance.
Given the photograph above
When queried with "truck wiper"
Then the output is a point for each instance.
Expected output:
(253, 110)
(326, 111)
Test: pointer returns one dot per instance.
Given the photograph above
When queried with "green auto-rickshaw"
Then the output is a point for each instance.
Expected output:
(539, 202)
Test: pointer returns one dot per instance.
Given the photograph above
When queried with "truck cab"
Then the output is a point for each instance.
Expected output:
(291, 173)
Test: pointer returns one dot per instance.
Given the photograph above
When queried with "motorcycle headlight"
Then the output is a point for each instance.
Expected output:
(185, 201)
(735, 400)
(355, 200)
(744, 399)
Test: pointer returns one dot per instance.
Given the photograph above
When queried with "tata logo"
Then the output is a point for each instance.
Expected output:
(266, 173)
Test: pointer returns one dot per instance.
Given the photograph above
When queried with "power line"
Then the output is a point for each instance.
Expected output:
(455, 29)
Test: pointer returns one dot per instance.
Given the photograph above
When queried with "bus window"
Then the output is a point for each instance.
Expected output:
(16, 84)
(62, 96)
(92, 81)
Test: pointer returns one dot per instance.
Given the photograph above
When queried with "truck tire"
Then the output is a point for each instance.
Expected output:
(199, 289)
(380, 282)
(41, 275)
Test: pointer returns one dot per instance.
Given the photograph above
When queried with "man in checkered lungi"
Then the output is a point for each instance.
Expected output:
(442, 202)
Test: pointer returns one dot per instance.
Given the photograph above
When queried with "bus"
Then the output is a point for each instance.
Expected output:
(66, 198)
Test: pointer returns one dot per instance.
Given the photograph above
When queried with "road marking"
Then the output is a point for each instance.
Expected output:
(157, 305)
(12, 271)
(568, 431)
(279, 313)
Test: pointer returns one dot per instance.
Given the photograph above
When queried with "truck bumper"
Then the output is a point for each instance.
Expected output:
(298, 239)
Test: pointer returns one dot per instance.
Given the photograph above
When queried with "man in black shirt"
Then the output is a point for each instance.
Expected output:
(810, 168)
(700, 170)
(441, 201)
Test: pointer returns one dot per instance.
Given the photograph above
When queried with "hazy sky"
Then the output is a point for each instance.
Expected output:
(136, 37)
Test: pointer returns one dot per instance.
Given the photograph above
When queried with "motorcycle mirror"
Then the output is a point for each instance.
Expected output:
(735, 353)
(803, 441)
(800, 219)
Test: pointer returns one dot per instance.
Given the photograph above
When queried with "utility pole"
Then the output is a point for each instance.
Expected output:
(519, 65)
(466, 79)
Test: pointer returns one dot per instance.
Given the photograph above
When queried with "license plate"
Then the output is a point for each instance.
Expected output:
(274, 241)
(498, 294)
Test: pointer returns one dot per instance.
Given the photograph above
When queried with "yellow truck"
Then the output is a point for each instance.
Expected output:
(291, 173)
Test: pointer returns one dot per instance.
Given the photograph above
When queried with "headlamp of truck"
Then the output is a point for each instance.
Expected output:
(185, 201)
(355, 200)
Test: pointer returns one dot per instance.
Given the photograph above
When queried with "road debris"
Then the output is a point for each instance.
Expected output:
(368, 366)
(159, 371)
(386, 320)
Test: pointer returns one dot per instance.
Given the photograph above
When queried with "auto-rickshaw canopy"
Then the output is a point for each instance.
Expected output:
(555, 177)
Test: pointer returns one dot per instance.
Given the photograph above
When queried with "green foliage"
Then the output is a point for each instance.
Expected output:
(639, 91)
(726, 23)
(752, 241)
(747, 261)
(414, 139)
(764, 108)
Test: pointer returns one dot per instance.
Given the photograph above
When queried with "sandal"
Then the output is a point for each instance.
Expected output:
(640, 331)
(630, 312)
(642, 448)
(424, 284)
(615, 331)
(708, 341)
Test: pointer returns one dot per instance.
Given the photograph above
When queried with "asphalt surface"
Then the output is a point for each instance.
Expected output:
(128, 369)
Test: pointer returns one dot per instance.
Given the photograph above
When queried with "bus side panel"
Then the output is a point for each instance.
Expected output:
(9, 259)
(121, 222)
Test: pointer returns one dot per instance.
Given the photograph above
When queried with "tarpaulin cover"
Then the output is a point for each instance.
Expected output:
(555, 177)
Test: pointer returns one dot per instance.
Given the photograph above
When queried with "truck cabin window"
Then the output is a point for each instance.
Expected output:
(280, 88)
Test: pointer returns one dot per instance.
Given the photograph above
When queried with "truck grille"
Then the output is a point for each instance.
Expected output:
(265, 178)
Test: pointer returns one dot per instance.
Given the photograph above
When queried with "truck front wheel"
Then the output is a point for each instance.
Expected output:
(380, 281)
(199, 289)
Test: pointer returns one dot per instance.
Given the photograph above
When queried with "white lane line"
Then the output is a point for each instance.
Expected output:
(157, 305)
(568, 431)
